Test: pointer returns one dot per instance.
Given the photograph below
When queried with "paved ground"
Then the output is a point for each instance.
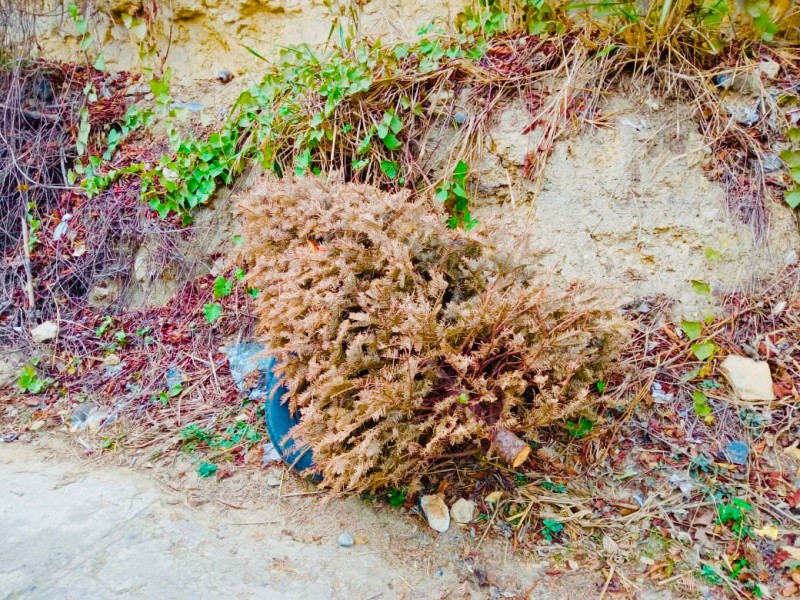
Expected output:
(77, 528)
(70, 533)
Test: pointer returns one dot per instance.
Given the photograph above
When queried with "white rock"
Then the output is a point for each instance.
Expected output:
(436, 512)
(769, 68)
(346, 540)
(750, 379)
(44, 332)
(462, 510)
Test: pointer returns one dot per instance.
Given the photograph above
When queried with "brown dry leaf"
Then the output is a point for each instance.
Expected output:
(792, 552)
(705, 517)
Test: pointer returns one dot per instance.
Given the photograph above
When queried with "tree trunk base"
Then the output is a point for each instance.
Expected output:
(511, 448)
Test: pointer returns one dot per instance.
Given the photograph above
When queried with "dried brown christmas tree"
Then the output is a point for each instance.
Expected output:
(402, 340)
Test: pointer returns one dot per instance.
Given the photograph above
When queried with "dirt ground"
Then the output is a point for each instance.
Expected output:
(88, 528)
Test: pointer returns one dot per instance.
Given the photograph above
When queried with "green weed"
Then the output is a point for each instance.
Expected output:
(551, 529)
(29, 380)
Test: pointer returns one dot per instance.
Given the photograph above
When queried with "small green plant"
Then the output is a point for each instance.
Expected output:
(104, 325)
(520, 479)
(708, 573)
(29, 380)
(580, 428)
(701, 406)
(396, 497)
(556, 488)
(734, 515)
(792, 159)
(207, 469)
(551, 529)
(453, 194)
(164, 397)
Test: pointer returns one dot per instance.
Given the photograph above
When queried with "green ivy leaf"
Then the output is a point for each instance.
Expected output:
(791, 158)
(704, 350)
(701, 287)
(222, 287)
(692, 329)
(212, 312)
(701, 406)
(138, 29)
(390, 168)
(461, 171)
(391, 142)
(792, 197)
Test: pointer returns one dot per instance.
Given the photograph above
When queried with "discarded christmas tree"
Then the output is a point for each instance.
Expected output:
(402, 340)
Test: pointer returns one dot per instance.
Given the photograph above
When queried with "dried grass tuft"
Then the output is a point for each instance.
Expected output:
(402, 340)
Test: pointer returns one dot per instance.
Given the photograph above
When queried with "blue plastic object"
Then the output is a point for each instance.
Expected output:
(245, 358)
(280, 421)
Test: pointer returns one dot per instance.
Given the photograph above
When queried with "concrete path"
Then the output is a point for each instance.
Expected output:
(74, 528)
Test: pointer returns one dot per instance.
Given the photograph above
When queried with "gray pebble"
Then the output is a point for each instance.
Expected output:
(224, 76)
(346, 540)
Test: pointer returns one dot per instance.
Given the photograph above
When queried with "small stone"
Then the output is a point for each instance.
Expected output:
(737, 452)
(743, 113)
(462, 511)
(772, 162)
(460, 118)
(345, 540)
(750, 379)
(224, 76)
(44, 332)
(769, 69)
(111, 360)
(273, 481)
(436, 512)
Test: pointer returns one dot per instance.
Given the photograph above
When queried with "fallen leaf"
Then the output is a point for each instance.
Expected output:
(769, 531)
(494, 497)
(792, 552)
(793, 451)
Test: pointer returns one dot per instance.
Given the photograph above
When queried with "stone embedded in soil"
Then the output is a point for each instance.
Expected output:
(44, 332)
(346, 540)
(462, 511)
(750, 379)
(769, 69)
(436, 512)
